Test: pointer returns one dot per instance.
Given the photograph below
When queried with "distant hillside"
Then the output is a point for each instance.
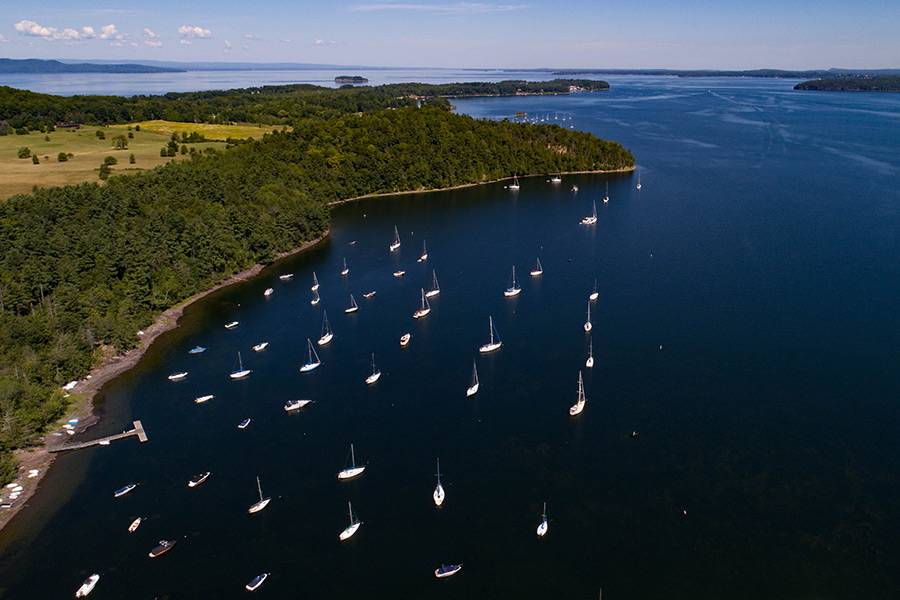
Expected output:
(773, 73)
(34, 65)
(852, 84)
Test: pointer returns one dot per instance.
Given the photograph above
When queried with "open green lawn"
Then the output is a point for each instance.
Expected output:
(209, 131)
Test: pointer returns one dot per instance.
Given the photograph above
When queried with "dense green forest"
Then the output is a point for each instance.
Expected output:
(83, 268)
(270, 105)
(852, 84)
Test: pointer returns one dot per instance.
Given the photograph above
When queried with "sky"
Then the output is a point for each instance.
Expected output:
(724, 34)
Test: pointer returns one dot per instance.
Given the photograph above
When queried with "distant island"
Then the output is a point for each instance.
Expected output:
(882, 83)
(352, 79)
(770, 73)
(34, 65)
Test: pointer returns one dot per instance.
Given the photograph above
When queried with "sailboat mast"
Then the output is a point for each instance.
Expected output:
(259, 488)
(491, 320)
(350, 509)
(352, 457)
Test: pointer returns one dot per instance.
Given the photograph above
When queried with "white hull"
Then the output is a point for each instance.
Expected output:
(178, 376)
(240, 374)
(286, 277)
(345, 272)
(576, 408)
(399, 273)
(513, 187)
(438, 495)
(325, 339)
(432, 293)
(588, 326)
(255, 508)
(589, 221)
(254, 585)
(314, 301)
(394, 247)
(368, 295)
(472, 390)
(231, 325)
(490, 347)
(589, 363)
(512, 292)
(88, 586)
(439, 575)
(593, 297)
(352, 309)
(404, 339)
(134, 525)
(296, 405)
(314, 288)
(421, 313)
(536, 273)
(310, 367)
(542, 529)
(268, 292)
(423, 258)
(351, 473)
(373, 377)
(260, 347)
(193, 484)
(202, 399)
(348, 533)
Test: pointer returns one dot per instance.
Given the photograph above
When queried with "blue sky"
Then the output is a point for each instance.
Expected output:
(506, 33)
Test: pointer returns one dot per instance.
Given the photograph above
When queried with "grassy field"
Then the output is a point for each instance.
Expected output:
(210, 132)
(20, 175)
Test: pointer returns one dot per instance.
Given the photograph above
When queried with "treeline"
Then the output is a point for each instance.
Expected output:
(882, 83)
(83, 268)
(22, 110)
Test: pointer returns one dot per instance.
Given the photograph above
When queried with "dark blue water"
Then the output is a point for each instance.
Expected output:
(747, 328)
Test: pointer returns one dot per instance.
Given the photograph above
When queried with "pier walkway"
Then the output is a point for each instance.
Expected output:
(137, 430)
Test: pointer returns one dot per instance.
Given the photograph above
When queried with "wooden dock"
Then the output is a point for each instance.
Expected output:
(137, 430)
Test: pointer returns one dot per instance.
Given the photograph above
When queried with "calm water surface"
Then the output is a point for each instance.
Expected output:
(746, 327)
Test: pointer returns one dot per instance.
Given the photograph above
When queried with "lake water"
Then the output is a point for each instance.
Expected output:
(746, 327)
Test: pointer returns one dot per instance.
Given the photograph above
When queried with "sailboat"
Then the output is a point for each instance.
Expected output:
(495, 342)
(312, 361)
(606, 197)
(638, 186)
(514, 289)
(316, 298)
(347, 533)
(326, 330)
(241, 371)
(425, 309)
(447, 571)
(473, 388)
(268, 292)
(263, 502)
(538, 269)
(315, 284)
(556, 179)
(353, 306)
(438, 494)
(576, 408)
(543, 527)
(435, 288)
(256, 582)
(592, 218)
(395, 244)
(376, 374)
(424, 256)
(589, 363)
(351, 471)
(587, 324)
(515, 184)
(594, 294)
(260, 346)
(346, 270)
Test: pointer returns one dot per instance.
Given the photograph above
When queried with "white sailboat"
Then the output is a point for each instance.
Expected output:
(425, 308)
(538, 269)
(495, 342)
(587, 324)
(435, 288)
(424, 256)
(606, 197)
(262, 503)
(241, 371)
(268, 292)
(514, 289)
(376, 374)
(260, 346)
(576, 408)
(543, 527)
(315, 285)
(202, 399)
(316, 298)
(592, 218)
(589, 363)
(347, 533)
(312, 361)
(514, 185)
(327, 334)
(594, 293)
(473, 388)
(351, 471)
(556, 179)
(638, 186)
(395, 244)
(346, 270)
(438, 494)
(177, 376)
(353, 306)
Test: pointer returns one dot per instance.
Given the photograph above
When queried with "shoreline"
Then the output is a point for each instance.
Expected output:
(39, 456)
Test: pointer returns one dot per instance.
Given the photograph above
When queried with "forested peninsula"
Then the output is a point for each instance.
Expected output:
(84, 268)
(852, 84)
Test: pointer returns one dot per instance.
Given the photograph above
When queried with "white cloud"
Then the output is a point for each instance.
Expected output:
(109, 32)
(448, 8)
(3, 38)
(250, 36)
(30, 28)
(321, 42)
(88, 33)
(193, 31)
(151, 38)
(185, 42)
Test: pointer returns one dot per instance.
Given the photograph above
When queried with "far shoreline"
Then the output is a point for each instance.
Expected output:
(40, 457)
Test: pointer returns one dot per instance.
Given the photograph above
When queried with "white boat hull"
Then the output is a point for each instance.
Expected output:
(260, 347)
(258, 506)
(352, 309)
(88, 586)
(348, 533)
(351, 473)
(240, 374)
(178, 376)
(268, 292)
(394, 247)
(286, 277)
(576, 409)
(314, 301)
(296, 405)
(542, 529)
(422, 312)
(589, 363)
(439, 575)
(202, 399)
(438, 495)
(310, 367)
(404, 339)
(593, 297)
(399, 273)
(432, 293)
(373, 377)
(134, 525)
(486, 348)
(512, 292)
(472, 390)
(231, 325)
(345, 272)
(536, 273)
(588, 326)
(314, 287)
(325, 339)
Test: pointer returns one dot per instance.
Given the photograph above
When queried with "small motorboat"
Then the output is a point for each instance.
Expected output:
(124, 490)
(103, 442)
(286, 277)
(135, 524)
(244, 424)
(197, 350)
(594, 293)
(161, 548)
(404, 339)
(268, 292)
(399, 273)
(178, 376)
(88, 586)
(292, 405)
(231, 325)
(202, 399)
(198, 479)
(447, 571)
(260, 346)
(353, 470)
(256, 582)
(368, 295)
